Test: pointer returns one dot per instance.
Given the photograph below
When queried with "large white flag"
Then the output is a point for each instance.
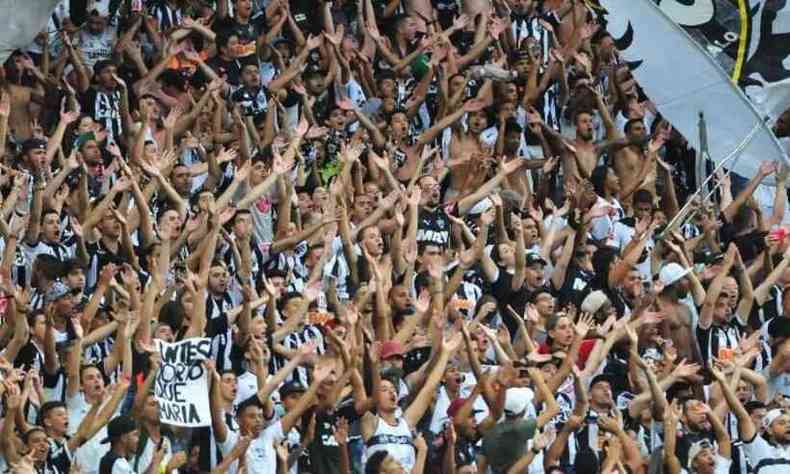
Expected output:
(683, 79)
(24, 19)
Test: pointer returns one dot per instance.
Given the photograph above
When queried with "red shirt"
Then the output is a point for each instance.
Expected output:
(584, 351)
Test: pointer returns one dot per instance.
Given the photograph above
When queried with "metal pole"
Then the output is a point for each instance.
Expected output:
(684, 212)
(704, 154)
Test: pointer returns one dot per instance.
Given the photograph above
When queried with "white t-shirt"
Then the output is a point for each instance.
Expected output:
(89, 454)
(439, 416)
(147, 454)
(122, 466)
(261, 455)
(767, 458)
(247, 386)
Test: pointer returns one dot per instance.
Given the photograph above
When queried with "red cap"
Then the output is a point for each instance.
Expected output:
(391, 348)
(455, 407)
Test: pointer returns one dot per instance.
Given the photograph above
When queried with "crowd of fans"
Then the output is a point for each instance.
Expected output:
(422, 237)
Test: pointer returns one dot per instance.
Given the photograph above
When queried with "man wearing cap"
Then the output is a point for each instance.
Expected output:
(34, 155)
(704, 458)
(601, 404)
(506, 442)
(598, 304)
(97, 39)
(123, 436)
(391, 356)
(675, 283)
(60, 298)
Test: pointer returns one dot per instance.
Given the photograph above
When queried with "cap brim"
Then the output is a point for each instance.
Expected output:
(679, 277)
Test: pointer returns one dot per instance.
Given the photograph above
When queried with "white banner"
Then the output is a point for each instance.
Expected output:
(182, 386)
(683, 80)
(24, 20)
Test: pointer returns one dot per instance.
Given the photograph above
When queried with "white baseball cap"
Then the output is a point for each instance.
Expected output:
(594, 301)
(771, 416)
(672, 273)
(517, 399)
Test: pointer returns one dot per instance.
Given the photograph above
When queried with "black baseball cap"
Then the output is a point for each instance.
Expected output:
(119, 426)
(34, 144)
(292, 387)
(534, 259)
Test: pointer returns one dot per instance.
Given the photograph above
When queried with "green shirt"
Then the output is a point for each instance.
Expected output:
(506, 442)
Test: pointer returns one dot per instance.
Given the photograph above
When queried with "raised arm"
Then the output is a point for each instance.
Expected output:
(423, 399)
(712, 295)
(746, 428)
(766, 169)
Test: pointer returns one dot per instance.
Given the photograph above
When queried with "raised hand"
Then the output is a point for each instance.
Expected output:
(460, 22)
(345, 103)
(316, 132)
(5, 104)
(767, 168)
(684, 369)
(341, 431)
(544, 438)
(301, 128)
(281, 165)
(314, 41)
(474, 105)
(496, 26)
(337, 37)
(584, 324)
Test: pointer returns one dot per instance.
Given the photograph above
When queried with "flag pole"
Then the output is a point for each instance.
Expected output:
(704, 155)
(686, 211)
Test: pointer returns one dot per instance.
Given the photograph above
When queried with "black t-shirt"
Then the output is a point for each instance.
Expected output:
(433, 226)
(252, 101)
(105, 108)
(576, 286)
(506, 296)
(107, 462)
(228, 70)
(324, 452)
(59, 455)
(29, 357)
(100, 256)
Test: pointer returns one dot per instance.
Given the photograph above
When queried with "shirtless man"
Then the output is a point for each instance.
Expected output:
(675, 284)
(580, 156)
(23, 81)
(629, 160)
